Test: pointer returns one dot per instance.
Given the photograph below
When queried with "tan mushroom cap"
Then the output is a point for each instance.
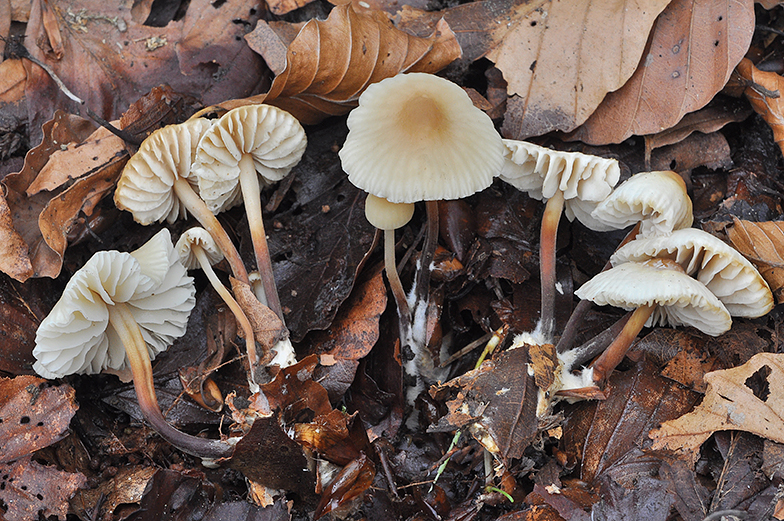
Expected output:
(76, 338)
(680, 299)
(585, 180)
(201, 238)
(732, 278)
(417, 137)
(145, 186)
(657, 200)
(273, 137)
(385, 215)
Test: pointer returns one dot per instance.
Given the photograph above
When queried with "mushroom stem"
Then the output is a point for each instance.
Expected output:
(251, 194)
(403, 311)
(615, 352)
(239, 315)
(198, 208)
(570, 330)
(121, 319)
(547, 237)
(428, 252)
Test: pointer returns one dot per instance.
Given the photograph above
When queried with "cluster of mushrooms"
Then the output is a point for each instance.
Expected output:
(406, 143)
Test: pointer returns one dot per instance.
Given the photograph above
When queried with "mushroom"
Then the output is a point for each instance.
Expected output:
(197, 249)
(659, 291)
(656, 201)
(249, 147)
(118, 311)
(389, 217)
(418, 137)
(724, 271)
(571, 182)
(157, 184)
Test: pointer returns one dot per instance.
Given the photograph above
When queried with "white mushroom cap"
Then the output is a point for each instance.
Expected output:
(585, 180)
(657, 200)
(274, 138)
(417, 137)
(145, 186)
(76, 338)
(201, 238)
(732, 278)
(385, 215)
(680, 299)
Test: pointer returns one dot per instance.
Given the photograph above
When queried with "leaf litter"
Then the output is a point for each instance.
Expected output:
(348, 388)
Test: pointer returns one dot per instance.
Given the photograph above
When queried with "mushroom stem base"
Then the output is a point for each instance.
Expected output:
(547, 238)
(612, 356)
(125, 325)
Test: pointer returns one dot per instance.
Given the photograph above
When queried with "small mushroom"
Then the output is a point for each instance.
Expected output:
(657, 202)
(118, 311)
(157, 184)
(724, 271)
(571, 182)
(247, 148)
(389, 217)
(659, 291)
(197, 249)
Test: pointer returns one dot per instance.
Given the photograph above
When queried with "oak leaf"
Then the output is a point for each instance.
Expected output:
(770, 108)
(747, 398)
(693, 49)
(763, 244)
(323, 67)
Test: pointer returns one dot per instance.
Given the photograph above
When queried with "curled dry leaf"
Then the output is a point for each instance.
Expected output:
(322, 71)
(771, 109)
(763, 244)
(28, 488)
(747, 398)
(353, 480)
(693, 49)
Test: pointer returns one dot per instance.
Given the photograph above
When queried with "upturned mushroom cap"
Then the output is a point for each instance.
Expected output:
(385, 215)
(417, 137)
(732, 278)
(76, 338)
(657, 200)
(198, 237)
(680, 299)
(145, 186)
(273, 137)
(585, 180)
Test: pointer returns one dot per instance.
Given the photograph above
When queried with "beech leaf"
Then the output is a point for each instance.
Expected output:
(763, 244)
(693, 49)
(747, 398)
(28, 488)
(771, 109)
(322, 70)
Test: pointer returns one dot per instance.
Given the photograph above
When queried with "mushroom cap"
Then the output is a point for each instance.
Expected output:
(585, 180)
(418, 137)
(201, 238)
(385, 215)
(76, 337)
(273, 137)
(657, 200)
(680, 299)
(145, 186)
(727, 273)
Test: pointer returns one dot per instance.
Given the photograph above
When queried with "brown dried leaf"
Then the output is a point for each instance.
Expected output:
(497, 402)
(326, 66)
(771, 109)
(12, 81)
(353, 480)
(746, 398)
(126, 487)
(281, 7)
(33, 415)
(763, 244)
(110, 59)
(693, 49)
(28, 489)
(268, 329)
(708, 150)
